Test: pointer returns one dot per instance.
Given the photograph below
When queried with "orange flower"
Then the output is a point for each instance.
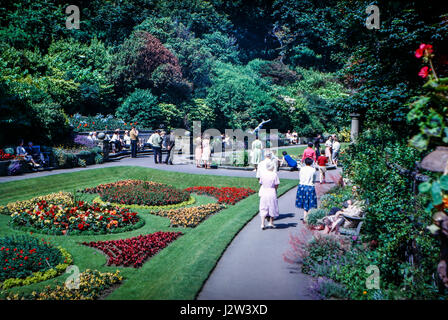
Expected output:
(93, 122)
(125, 123)
(445, 201)
(85, 125)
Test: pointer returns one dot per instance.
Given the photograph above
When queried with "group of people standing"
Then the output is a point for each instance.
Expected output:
(202, 151)
(160, 139)
(313, 158)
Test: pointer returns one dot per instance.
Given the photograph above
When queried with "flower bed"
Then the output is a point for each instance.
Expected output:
(134, 251)
(59, 198)
(5, 156)
(92, 285)
(139, 192)
(83, 218)
(229, 195)
(190, 217)
(136, 206)
(25, 260)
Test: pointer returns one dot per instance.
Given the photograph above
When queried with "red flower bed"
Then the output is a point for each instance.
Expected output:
(5, 156)
(134, 251)
(229, 195)
(147, 193)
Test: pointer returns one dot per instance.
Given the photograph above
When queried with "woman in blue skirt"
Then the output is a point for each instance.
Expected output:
(306, 193)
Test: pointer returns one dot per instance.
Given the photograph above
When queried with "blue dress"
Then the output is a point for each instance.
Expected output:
(306, 197)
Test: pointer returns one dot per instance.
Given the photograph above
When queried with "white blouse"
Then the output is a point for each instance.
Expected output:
(307, 175)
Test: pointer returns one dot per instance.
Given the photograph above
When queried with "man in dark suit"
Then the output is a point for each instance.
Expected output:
(170, 140)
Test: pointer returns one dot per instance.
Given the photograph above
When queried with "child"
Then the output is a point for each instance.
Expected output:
(306, 193)
(289, 160)
(322, 162)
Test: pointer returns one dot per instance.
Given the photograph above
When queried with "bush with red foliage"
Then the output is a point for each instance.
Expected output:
(229, 195)
(143, 61)
(134, 251)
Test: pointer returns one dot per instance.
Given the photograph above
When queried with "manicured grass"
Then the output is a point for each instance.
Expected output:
(297, 152)
(178, 271)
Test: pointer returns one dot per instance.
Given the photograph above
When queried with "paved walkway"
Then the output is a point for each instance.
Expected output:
(252, 267)
(147, 161)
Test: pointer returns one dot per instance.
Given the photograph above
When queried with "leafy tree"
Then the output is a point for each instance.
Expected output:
(141, 106)
(143, 62)
(240, 98)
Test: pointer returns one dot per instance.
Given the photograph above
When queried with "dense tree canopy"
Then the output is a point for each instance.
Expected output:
(305, 64)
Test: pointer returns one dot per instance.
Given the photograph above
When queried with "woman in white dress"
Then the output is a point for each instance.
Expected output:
(206, 152)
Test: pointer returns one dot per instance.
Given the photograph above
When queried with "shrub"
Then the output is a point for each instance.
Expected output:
(326, 288)
(141, 106)
(314, 215)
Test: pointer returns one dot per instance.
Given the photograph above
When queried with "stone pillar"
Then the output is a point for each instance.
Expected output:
(355, 126)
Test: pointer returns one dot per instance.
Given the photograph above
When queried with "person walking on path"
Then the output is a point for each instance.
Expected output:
(155, 140)
(170, 140)
(206, 152)
(306, 193)
(322, 163)
(317, 142)
(336, 149)
(328, 147)
(309, 153)
(264, 163)
(198, 151)
(269, 182)
(257, 146)
(134, 138)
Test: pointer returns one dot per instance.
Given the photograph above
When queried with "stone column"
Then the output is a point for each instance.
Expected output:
(355, 126)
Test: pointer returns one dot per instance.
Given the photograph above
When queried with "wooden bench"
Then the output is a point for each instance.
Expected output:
(352, 231)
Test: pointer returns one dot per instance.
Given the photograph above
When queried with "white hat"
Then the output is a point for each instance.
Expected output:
(270, 166)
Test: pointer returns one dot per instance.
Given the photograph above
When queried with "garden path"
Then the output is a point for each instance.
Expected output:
(148, 162)
(252, 267)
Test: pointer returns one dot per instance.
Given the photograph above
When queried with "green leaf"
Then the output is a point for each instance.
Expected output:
(424, 187)
(436, 193)
(444, 182)
(419, 141)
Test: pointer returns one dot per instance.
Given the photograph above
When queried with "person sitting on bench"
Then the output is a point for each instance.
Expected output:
(21, 152)
(335, 221)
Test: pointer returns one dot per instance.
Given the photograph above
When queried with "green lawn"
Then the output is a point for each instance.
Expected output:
(297, 152)
(178, 271)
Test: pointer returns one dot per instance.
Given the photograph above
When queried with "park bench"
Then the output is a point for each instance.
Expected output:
(356, 221)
